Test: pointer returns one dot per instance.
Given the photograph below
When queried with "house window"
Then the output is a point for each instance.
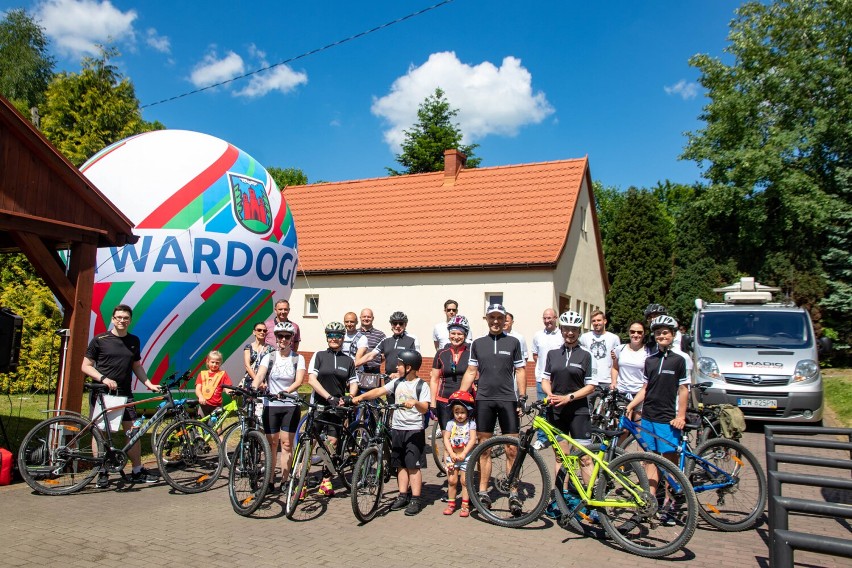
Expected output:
(493, 298)
(583, 225)
(311, 305)
(564, 304)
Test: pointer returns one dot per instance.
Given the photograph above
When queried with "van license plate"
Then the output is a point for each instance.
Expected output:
(757, 403)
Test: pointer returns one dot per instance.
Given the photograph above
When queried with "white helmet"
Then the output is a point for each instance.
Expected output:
(570, 319)
(664, 321)
(283, 327)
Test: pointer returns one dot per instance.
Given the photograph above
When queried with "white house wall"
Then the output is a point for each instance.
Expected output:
(526, 293)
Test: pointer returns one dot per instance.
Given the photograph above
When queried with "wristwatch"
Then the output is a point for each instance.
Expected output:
(102, 378)
(570, 397)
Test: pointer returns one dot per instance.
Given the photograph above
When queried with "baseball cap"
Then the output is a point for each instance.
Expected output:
(498, 308)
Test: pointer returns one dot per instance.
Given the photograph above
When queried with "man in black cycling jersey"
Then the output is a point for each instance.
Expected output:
(498, 360)
(391, 346)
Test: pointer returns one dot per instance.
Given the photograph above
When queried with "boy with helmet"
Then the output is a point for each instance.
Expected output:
(331, 373)
(663, 396)
(459, 440)
(390, 347)
(408, 438)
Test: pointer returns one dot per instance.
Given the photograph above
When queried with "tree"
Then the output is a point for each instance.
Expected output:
(778, 135)
(287, 176)
(25, 66)
(639, 249)
(434, 132)
(87, 111)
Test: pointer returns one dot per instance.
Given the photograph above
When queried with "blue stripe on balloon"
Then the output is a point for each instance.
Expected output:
(219, 323)
(146, 323)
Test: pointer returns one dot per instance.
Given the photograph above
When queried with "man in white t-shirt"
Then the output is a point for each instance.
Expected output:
(600, 343)
(350, 322)
(507, 327)
(440, 335)
(544, 340)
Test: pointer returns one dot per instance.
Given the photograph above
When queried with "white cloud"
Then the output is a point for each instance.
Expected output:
(158, 42)
(685, 90)
(281, 78)
(213, 70)
(490, 99)
(77, 26)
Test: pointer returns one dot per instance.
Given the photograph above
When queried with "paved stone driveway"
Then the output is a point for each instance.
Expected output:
(152, 526)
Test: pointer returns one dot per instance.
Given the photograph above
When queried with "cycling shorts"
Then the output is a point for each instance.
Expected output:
(578, 424)
(490, 412)
(281, 419)
(330, 423)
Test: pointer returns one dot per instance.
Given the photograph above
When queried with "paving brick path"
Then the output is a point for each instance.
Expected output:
(152, 526)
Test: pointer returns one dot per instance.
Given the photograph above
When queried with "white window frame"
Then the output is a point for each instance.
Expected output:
(489, 301)
(311, 306)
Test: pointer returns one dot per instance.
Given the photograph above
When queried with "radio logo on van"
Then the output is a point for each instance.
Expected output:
(759, 364)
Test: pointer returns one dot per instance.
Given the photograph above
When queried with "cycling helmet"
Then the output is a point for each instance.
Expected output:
(398, 316)
(463, 398)
(664, 321)
(459, 322)
(570, 319)
(658, 309)
(335, 327)
(283, 327)
(411, 358)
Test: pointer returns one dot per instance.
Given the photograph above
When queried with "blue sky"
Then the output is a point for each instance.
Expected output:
(533, 81)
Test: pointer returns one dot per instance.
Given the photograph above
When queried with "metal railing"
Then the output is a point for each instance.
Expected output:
(782, 541)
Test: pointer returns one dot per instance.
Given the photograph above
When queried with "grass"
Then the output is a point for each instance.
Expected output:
(838, 393)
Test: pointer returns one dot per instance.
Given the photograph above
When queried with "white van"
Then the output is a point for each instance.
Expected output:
(759, 355)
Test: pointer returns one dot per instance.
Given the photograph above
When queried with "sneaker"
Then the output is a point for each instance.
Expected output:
(414, 507)
(485, 499)
(538, 445)
(668, 518)
(326, 489)
(144, 476)
(103, 480)
(400, 503)
(444, 497)
(515, 505)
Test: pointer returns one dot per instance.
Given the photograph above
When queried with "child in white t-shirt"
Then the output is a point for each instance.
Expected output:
(459, 440)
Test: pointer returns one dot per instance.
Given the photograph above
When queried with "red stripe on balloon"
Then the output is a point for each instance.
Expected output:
(185, 195)
(99, 291)
(210, 291)
(159, 335)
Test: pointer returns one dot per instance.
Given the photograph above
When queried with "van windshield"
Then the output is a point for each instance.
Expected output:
(762, 329)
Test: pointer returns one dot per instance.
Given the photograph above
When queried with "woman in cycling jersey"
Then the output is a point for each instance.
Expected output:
(448, 369)
(283, 371)
(331, 374)
(628, 365)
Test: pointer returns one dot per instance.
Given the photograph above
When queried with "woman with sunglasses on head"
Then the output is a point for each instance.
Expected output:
(448, 369)
(628, 363)
(283, 371)
(331, 374)
(255, 351)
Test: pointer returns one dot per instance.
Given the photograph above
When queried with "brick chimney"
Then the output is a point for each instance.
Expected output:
(453, 163)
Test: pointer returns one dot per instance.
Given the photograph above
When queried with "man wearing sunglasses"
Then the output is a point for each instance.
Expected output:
(440, 336)
(391, 346)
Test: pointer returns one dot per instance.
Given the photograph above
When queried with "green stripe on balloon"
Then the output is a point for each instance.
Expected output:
(187, 216)
(115, 295)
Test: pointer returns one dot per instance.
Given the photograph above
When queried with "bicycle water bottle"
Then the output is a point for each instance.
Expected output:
(214, 416)
(137, 424)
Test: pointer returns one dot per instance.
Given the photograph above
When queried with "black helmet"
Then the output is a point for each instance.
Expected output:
(411, 358)
(398, 316)
(658, 309)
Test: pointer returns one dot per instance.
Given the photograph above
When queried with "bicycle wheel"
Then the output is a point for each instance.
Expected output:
(739, 502)
(666, 521)
(367, 484)
(230, 438)
(298, 475)
(353, 444)
(508, 502)
(251, 473)
(438, 449)
(712, 430)
(60, 455)
(160, 427)
(189, 456)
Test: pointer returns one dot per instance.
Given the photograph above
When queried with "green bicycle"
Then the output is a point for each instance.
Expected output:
(644, 516)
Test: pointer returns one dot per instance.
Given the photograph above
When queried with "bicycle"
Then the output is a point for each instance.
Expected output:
(633, 513)
(187, 408)
(725, 475)
(372, 469)
(251, 471)
(337, 461)
(62, 454)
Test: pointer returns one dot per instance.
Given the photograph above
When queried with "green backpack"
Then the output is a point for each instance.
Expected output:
(732, 421)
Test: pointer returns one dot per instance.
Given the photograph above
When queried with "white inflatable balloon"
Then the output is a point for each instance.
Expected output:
(217, 247)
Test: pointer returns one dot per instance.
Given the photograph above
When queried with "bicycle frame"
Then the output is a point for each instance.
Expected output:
(684, 452)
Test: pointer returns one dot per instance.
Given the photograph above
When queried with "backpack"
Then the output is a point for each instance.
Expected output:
(732, 420)
(419, 391)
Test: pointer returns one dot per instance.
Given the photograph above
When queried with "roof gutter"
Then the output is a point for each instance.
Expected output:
(473, 267)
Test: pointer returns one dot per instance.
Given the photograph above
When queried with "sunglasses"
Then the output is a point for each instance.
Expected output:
(454, 310)
(260, 330)
(334, 336)
(631, 332)
(397, 323)
(287, 337)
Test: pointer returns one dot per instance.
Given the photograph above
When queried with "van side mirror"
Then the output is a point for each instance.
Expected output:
(824, 346)
(686, 344)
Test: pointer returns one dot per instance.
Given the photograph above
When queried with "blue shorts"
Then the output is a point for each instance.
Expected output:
(667, 440)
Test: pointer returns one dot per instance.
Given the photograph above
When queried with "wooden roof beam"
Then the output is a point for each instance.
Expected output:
(48, 264)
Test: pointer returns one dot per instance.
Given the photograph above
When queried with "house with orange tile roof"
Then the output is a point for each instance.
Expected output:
(523, 235)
